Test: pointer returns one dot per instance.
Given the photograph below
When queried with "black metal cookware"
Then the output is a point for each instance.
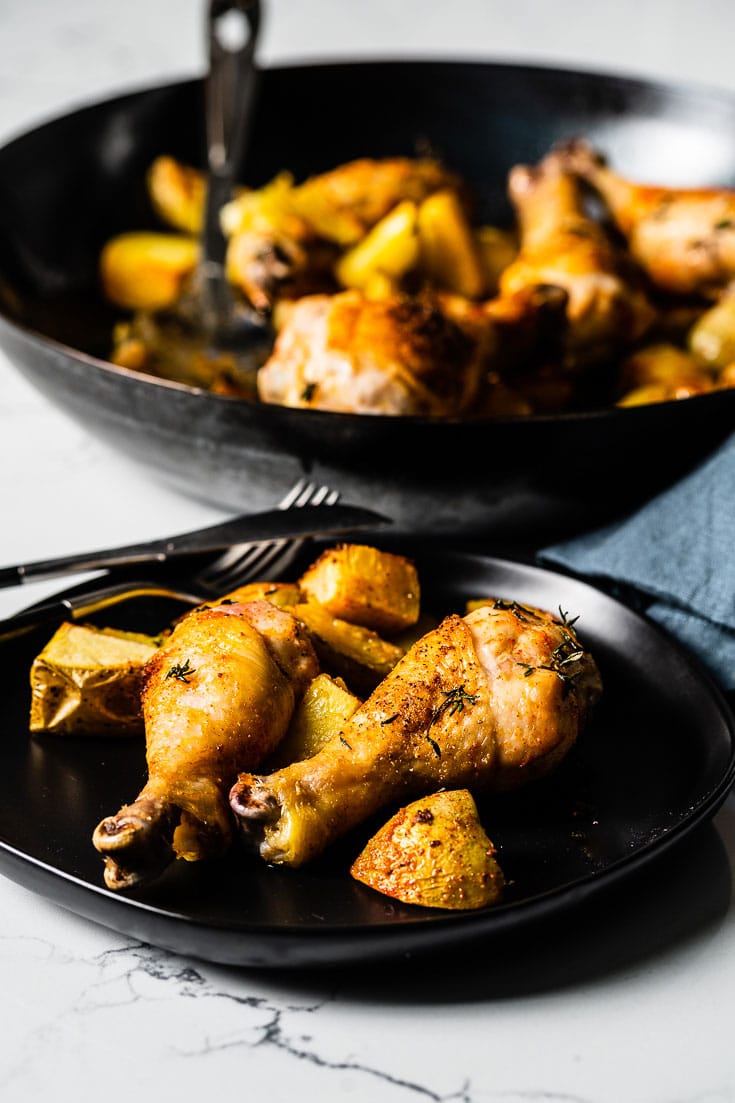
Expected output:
(67, 186)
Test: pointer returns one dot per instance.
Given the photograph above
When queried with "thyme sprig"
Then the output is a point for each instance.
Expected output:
(181, 671)
(454, 701)
(434, 746)
(522, 613)
(564, 656)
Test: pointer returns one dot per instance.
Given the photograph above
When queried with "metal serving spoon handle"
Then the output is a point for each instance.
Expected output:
(229, 97)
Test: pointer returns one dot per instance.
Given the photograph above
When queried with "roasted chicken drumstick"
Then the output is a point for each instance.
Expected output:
(217, 698)
(485, 701)
(562, 247)
(683, 237)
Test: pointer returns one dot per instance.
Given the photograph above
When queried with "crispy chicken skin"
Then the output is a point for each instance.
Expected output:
(563, 247)
(393, 356)
(484, 702)
(684, 238)
(217, 698)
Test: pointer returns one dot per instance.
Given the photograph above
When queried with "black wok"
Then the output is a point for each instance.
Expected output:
(69, 185)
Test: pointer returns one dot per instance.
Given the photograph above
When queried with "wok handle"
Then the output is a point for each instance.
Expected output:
(229, 97)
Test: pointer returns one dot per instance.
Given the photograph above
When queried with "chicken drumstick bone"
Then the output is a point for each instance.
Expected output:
(485, 701)
(217, 698)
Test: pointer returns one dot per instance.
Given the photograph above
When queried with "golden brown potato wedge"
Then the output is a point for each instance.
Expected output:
(146, 271)
(450, 257)
(321, 714)
(434, 853)
(712, 337)
(498, 249)
(390, 249)
(662, 363)
(282, 594)
(87, 681)
(352, 652)
(365, 586)
(177, 193)
(265, 210)
(649, 393)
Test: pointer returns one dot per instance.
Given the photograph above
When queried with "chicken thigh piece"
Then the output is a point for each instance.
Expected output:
(684, 238)
(217, 698)
(563, 247)
(483, 702)
(390, 356)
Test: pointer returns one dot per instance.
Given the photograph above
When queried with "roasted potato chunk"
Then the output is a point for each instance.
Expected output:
(390, 249)
(264, 211)
(434, 853)
(87, 681)
(352, 652)
(663, 364)
(177, 193)
(498, 249)
(365, 586)
(282, 594)
(712, 337)
(450, 257)
(146, 271)
(321, 714)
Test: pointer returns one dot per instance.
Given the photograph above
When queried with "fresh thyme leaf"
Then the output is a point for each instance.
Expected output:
(725, 224)
(511, 607)
(343, 740)
(308, 392)
(454, 701)
(435, 746)
(389, 720)
(181, 671)
(573, 658)
(565, 618)
(228, 601)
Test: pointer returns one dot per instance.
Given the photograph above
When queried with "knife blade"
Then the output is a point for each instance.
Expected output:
(273, 524)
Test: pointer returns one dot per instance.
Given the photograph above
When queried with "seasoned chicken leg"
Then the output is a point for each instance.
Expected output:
(562, 246)
(217, 698)
(485, 701)
(683, 237)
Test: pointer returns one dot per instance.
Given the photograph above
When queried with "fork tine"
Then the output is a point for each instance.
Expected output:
(290, 498)
(245, 562)
(275, 557)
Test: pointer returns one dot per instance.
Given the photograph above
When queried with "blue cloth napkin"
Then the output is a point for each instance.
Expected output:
(677, 554)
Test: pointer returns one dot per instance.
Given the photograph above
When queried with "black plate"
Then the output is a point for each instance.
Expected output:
(68, 186)
(656, 761)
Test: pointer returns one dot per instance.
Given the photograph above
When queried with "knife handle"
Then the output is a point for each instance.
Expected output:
(76, 564)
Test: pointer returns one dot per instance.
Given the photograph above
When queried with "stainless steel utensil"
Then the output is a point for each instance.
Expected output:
(291, 526)
(232, 32)
(208, 321)
(274, 524)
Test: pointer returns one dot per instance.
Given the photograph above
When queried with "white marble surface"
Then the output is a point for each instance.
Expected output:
(627, 1002)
